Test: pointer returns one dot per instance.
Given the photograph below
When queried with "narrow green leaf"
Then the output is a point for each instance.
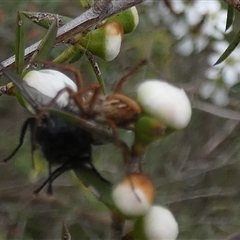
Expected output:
(45, 19)
(20, 44)
(90, 125)
(96, 184)
(229, 49)
(19, 52)
(65, 116)
(47, 43)
(72, 53)
(230, 17)
(78, 53)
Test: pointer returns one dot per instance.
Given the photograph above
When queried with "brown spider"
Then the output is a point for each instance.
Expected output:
(115, 110)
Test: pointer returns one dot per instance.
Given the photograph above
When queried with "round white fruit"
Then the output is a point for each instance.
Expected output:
(165, 102)
(160, 224)
(113, 40)
(134, 195)
(49, 82)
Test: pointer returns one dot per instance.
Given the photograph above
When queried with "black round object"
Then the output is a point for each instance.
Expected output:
(61, 141)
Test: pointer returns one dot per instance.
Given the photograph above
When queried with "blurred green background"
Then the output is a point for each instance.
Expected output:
(195, 170)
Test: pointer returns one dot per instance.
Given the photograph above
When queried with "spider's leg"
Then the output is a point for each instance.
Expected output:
(130, 73)
(122, 146)
(77, 96)
(69, 68)
(95, 89)
(29, 122)
(43, 110)
(52, 177)
(33, 129)
(49, 189)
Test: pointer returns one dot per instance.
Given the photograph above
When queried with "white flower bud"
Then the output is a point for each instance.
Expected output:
(134, 195)
(135, 16)
(104, 42)
(160, 224)
(49, 82)
(165, 102)
(129, 19)
(113, 40)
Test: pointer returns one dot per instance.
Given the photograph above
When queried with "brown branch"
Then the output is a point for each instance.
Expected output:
(90, 18)
(234, 3)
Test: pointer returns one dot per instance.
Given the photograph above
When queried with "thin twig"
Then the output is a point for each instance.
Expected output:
(90, 18)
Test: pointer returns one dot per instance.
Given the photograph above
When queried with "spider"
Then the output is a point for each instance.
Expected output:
(115, 110)
(61, 142)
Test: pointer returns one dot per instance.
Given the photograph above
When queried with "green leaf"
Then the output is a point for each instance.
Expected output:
(20, 44)
(229, 49)
(96, 184)
(72, 53)
(47, 43)
(78, 53)
(19, 52)
(45, 19)
(230, 17)
(91, 126)
(64, 115)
